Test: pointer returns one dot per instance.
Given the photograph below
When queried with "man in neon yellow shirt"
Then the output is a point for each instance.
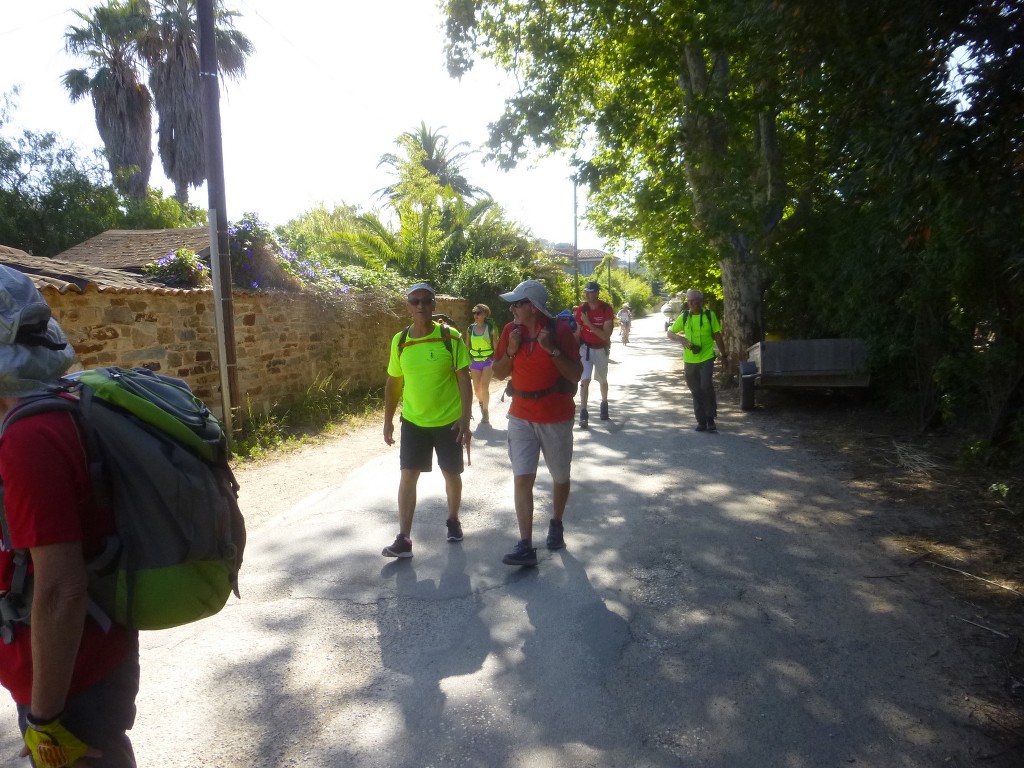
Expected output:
(428, 372)
(697, 329)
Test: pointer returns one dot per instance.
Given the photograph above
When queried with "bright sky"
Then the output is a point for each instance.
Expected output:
(331, 85)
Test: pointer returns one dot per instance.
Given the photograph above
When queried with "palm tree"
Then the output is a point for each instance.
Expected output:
(442, 162)
(123, 105)
(171, 48)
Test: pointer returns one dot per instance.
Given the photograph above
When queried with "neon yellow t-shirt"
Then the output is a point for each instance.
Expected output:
(430, 395)
(700, 332)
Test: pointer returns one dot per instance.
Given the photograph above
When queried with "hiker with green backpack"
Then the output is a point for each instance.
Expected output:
(118, 512)
(74, 684)
(482, 340)
(428, 374)
(698, 330)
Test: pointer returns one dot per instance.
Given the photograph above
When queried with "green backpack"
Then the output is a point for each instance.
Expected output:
(158, 458)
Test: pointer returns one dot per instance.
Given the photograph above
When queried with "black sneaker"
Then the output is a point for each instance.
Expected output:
(584, 417)
(523, 554)
(454, 530)
(555, 538)
(701, 427)
(401, 548)
(604, 410)
(711, 426)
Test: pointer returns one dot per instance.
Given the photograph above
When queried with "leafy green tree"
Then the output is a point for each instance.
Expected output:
(53, 197)
(437, 156)
(108, 36)
(171, 49)
(671, 105)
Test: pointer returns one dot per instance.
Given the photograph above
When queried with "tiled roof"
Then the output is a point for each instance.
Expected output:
(585, 253)
(63, 276)
(131, 249)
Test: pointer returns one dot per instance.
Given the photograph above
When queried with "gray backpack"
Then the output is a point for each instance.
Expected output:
(158, 459)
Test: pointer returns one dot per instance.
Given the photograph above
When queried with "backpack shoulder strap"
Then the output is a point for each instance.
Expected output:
(402, 338)
(446, 337)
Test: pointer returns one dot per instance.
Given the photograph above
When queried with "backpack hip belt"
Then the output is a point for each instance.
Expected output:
(563, 387)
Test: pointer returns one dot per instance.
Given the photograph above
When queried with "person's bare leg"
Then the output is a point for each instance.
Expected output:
(524, 505)
(453, 489)
(407, 500)
(484, 395)
(559, 498)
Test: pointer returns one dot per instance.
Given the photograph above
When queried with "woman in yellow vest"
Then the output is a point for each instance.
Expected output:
(481, 338)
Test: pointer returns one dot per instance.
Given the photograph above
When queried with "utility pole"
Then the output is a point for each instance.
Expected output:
(220, 258)
(575, 243)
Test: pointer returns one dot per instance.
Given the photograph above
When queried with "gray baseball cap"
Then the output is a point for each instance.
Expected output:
(34, 351)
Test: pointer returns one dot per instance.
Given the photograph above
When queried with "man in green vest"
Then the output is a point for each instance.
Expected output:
(698, 329)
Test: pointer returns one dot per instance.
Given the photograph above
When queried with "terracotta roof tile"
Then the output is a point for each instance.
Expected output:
(63, 276)
(131, 249)
(585, 253)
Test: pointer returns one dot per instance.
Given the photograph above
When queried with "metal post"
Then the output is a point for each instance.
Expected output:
(218, 313)
(220, 259)
(575, 243)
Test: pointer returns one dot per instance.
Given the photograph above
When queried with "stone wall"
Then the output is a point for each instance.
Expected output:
(284, 343)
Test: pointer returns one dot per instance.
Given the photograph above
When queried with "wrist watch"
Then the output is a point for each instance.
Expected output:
(556, 352)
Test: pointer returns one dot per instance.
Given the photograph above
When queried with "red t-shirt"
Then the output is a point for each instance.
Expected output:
(534, 370)
(598, 315)
(48, 499)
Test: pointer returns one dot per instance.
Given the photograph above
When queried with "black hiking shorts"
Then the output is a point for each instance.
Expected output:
(420, 443)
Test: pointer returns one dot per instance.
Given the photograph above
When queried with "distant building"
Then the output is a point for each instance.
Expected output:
(589, 258)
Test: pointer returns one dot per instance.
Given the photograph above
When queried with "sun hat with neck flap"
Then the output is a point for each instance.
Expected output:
(34, 352)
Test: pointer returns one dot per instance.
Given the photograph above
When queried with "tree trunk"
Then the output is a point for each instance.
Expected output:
(181, 192)
(705, 143)
(742, 281)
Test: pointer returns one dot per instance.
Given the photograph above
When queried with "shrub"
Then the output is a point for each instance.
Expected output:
(181, 268)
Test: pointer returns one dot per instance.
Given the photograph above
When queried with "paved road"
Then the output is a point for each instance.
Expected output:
(724, 601)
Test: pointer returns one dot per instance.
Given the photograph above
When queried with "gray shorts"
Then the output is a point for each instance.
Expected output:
(528, 439)
(595, 363)
(101, 715)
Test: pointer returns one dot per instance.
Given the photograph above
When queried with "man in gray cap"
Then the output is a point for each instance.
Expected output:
(428, 372)
(74, 684)
(698, 329)
(543, 360)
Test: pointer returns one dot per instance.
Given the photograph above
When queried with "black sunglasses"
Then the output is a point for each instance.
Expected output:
(520, 303)
(421, 302)
(477, 312)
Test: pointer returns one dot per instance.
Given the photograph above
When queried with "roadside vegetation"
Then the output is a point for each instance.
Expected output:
(822, 170)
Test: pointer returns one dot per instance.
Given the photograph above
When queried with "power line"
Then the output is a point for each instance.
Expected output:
(303, 52)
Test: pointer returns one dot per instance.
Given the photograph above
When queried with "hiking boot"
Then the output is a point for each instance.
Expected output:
(701, 427)
(604, 410)
(584, 417)
(484, 417)
(555, 531)
(523, 554)
(401, 548)
(454, 530)
(711, 426)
